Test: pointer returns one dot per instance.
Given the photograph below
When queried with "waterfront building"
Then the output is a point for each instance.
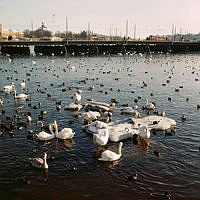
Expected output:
(4, 34)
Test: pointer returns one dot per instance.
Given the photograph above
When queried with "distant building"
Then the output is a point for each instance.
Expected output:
(0, 30)
(156, 38)
(42, 32)
(4, 34)
(42, 28)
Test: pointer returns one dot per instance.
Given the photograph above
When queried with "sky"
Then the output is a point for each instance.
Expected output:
(151, 17)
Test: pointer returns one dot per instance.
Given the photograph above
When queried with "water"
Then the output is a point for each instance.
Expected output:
(121, 77)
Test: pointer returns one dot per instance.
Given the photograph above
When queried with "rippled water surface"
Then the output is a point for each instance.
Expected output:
(176, 170)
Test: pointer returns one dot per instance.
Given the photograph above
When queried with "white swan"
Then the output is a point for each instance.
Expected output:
(33, 62)
(9, 88)
(144, 132)
(90, 116)
(73, 107)
(23, 84)
(65, 133)
(110, 155)
(39, 162)
(77, 96)
(130, 111)
(149, 106)
(101, 138)
(20, 96)
(43, 136)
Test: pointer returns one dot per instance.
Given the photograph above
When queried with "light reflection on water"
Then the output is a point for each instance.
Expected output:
(121, 77)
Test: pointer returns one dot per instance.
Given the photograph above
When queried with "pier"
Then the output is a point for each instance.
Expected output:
(96, 47)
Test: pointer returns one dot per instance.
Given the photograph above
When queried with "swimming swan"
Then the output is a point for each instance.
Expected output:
(110, 155)
(20, 96)
(9, 88)
(65, 133)
(43, 136)
(23, 84)
(144, 132)
(77, 96)
(101, 138)
(39, 162)
(149, 106)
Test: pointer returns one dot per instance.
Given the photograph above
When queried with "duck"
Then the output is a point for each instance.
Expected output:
(20, 96)
(39, 162)
(65, 133)
(149, 106)
(110, 155)
(44, 136)
(101, 138)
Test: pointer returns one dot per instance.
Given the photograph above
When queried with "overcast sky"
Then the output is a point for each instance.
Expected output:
(149, 16)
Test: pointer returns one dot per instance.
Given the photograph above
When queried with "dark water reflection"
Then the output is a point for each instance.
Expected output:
(74, 172)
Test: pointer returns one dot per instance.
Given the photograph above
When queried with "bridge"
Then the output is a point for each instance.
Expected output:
(96, 47)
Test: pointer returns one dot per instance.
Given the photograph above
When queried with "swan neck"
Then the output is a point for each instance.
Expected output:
(94, 138)
(51, 130)
(45, 162)
(120, 148)
(56, 132)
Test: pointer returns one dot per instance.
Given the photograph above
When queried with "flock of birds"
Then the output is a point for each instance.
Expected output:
(100, 139)
(99, 111)
(94, 111)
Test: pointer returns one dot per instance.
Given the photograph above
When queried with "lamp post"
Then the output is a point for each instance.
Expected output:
(66, 31)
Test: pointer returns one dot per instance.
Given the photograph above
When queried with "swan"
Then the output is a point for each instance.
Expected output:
(23, 84)
(29, 118)
(73, 107)
(90, 116)
(9, 88)
(101, 138)
(33, 62)
(43, 136)
(110, 155)
(144, 132)
(39, 162)
(77, 96)
(65, 133)
(149, 106)
(130, 111)
(20, 96)
(95, 127)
